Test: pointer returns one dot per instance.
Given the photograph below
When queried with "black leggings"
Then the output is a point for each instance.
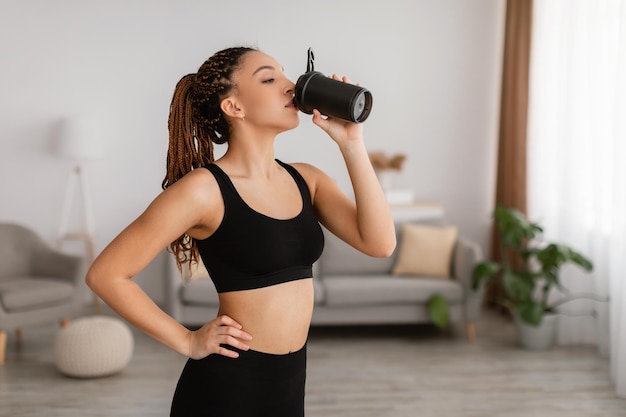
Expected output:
(255, 384)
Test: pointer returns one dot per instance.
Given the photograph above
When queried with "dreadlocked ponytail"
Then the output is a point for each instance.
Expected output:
(196, 122)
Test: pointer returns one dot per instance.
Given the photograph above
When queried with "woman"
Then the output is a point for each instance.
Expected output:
(254, 221)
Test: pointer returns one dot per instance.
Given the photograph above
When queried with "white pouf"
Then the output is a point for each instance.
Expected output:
(94, 346)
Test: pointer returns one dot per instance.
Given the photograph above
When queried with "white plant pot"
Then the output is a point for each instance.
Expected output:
(540, 337)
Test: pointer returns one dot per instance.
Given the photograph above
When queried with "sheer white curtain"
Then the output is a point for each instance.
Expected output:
(577, 159)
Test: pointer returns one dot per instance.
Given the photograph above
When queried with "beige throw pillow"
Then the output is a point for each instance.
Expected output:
(425, 250)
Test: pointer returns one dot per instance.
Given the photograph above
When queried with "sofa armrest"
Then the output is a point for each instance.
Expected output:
(467, 254)
(51, 263)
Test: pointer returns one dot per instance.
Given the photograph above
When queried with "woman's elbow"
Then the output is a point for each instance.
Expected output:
(389, 248)
(91, 280)
(384, 248)
(94, 281)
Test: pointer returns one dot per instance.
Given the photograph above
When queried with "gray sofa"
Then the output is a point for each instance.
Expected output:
(353, 289)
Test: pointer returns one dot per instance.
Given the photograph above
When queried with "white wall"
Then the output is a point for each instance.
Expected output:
(432, 66)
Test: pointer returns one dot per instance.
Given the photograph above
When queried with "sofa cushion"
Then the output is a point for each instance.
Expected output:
(24, 293)
(339, 258)
(385, 289)
(425, 250)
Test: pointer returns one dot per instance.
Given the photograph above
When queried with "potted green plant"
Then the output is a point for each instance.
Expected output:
(529, 268)
(438, 311)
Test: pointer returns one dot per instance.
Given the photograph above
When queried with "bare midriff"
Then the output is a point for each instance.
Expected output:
(278, 317)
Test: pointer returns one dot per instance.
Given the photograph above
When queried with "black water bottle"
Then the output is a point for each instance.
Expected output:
(331, 97)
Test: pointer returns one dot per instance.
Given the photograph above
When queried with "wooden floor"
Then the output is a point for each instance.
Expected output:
(394, 371)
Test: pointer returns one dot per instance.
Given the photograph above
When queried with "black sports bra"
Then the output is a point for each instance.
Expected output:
(251, 250)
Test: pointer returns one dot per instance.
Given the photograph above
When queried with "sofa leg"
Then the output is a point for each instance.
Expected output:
(3, 345)
(471, 331)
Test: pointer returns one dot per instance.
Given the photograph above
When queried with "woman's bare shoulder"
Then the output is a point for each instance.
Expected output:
(196, 193)
(197, 197)
(198, 183)
(308, 171)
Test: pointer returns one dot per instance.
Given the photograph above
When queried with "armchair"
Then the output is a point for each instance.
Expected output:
(37, 283)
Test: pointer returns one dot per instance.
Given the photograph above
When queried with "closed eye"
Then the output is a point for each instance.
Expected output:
(268, 81)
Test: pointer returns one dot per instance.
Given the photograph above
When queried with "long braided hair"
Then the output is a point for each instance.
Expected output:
(196, 122)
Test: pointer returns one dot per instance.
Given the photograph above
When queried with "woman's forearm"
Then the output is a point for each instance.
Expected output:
(127, 299)
(374, 219)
